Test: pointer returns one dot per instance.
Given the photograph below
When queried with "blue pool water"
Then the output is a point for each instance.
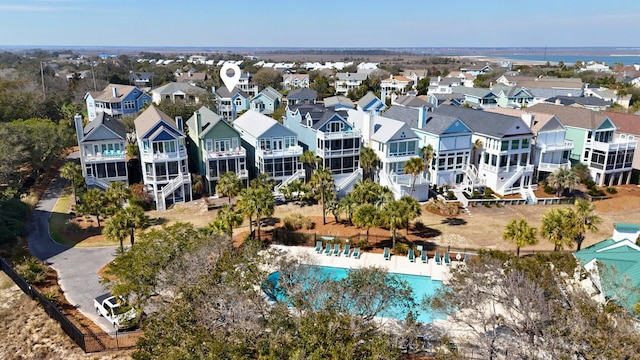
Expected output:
(421, 285)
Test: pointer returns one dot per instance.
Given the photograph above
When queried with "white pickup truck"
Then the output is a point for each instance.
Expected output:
(118, 314)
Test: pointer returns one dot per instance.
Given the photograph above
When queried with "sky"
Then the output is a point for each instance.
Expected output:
(324, 23)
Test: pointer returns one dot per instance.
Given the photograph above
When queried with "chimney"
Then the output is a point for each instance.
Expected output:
(115, 92)
(558, 102)
(77, 120)
(198, 123)
(422, 117)
(179, 123)
(367, 127)
(528, 118)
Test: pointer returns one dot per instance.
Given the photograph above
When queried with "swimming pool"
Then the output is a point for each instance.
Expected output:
(421, 286)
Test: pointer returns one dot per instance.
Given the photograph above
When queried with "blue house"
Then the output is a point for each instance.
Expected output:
(230, 103)
(266, 101)
(115, 100)
(371, 104)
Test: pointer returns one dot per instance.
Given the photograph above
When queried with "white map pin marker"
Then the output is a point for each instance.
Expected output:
(230, 81)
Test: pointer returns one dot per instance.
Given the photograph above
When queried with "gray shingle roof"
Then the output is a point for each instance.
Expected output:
(482, 122)
(256, 124)
(172, 87)
(226, 94)
(208, 119)
(411, 101)
(302, 94)
(435, 123)
(338, 100)
(365, 100)
(107, 121)
(571, 116)
(150, 118)
(385, 129)
(582, 100)
(357, 76)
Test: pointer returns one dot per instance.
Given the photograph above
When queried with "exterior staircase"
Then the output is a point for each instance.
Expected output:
(297, 175)
(459, 193)
(529, 196)
(94, 181)
(349, 181)
(169, 188)
(472, 179)
(517, 175)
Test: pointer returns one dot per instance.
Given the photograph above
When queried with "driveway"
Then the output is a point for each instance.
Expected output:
(77, 267)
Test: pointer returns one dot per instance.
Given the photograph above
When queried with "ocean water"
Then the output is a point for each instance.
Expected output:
(572, 59)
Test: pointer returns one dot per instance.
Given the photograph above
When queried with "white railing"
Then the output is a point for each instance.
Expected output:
(460, 195)
(518, 174)
(551, 167)
(297, 175)
(173, 185)
(291, 151)
(406, 179)
(148, 155)
(528, 194)
(564, 145)
(103, 157)
(221, 154)
(342, 152)
(339, 135)
(614, 146)
(349, 180)
(94, 181)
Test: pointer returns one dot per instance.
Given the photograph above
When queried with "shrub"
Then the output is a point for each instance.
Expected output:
(51, 294)
(296, 221)
(612, 190)
(475, 194)
(439, 207)
(32, 270)
(590, 184)
(363, 244)
(596, 191)
(72, 227)
(487, 205)
(401, 249)
(451, 196)
(549, 190)
(488, 193)
(419, 225)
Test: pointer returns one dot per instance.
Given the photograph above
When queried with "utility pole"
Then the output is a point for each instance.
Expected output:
(95, 88)
(42, 78)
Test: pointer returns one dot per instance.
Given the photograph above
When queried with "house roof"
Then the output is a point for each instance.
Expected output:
(571, 116)
(399, 78)
(475, 92)
(552, 83)
(271, 93)
(191, 76)
(256, 124)
(106, 95)
(545, 93)
(328, 115)
(302, 94)
(411, 101)
(357, 76)
(108, 121)
(314, 110)
(174, 87)
(385, 129)
(223, 93)
(539, 120)
(582, 100)
(208, 119)
(140, 76)
(150, 118)
(333, 101)
(435, 124)
(626, 123)
(487, 123)
(367, 99)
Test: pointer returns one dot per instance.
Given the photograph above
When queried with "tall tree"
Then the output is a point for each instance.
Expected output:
(228, 218)
(519, 233)
(229, 184)
(427, 155)
(256, 201)
(366, 216)
(267, 77)
(586, 220)
(563, 178)
(393, 215)
(321, 184)
(72, 171)
(94, 202)
(116, 230)
(117, 193)
(414, 166)
(369, 161)
(348, 206)
(412, 210)
(308, 158)
(558, 227)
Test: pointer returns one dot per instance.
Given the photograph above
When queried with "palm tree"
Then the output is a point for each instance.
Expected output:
(127, 221)
(71, 171)
(308, 158)
(369, 161)
(412, 210)
(230, 218)
(197, 184)
(520, 234)
(263, 181)
(115, 230)
(563, 178)
(393, 215)
(414, 166)
(94, 202)
(229, 184)
(321, 183)
(348, 205)
(366, 216)
(586, 220)
(477, 147)
(582, 170)
(558, 227)
(427, 155)
(247, 205)
(117, 193)
(256, 200)
(333, 206)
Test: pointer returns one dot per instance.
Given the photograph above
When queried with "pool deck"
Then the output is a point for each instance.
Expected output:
(396, 264)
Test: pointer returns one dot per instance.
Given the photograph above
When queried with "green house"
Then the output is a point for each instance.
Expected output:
(215, 147)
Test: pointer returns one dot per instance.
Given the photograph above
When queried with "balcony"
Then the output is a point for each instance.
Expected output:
(551, 167)
(112, 155)
(406, 179)
(238, 152)
(565, 145)
(112, 112)
(613, 146)
(340, 152)
(148, 156)
(339, 135)
(291, 151)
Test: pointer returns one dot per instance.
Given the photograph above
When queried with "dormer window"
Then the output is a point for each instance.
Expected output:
(336, 126)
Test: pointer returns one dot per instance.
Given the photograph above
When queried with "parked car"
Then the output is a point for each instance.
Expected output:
(116, 310)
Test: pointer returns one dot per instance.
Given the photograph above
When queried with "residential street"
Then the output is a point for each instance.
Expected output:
(77, 267)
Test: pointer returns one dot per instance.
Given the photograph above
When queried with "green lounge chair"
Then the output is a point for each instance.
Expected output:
(387, 253)
(347, 250)
(336, 249)
(327, 250)
(356, 253)
(447, 259)
(411, 256)
(423, 256)
(318, 247)
(438, 260)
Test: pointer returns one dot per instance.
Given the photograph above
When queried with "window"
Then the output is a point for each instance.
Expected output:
(238, 101)
(335, 126)
(289, 141)
(504, 146)
(515, 144)
(129, 105)
(265, 144)
(525, 143)
(222, 145)
(209, 145)
(173, 168)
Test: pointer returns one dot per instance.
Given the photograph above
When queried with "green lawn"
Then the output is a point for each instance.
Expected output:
(58, 221)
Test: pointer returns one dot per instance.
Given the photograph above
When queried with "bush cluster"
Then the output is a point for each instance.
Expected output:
(440, 207)
(296, 221)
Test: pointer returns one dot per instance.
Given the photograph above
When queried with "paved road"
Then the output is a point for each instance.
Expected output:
(77, 267)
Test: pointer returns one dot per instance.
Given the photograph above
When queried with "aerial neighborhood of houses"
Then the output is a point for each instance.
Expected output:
(506, 137)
